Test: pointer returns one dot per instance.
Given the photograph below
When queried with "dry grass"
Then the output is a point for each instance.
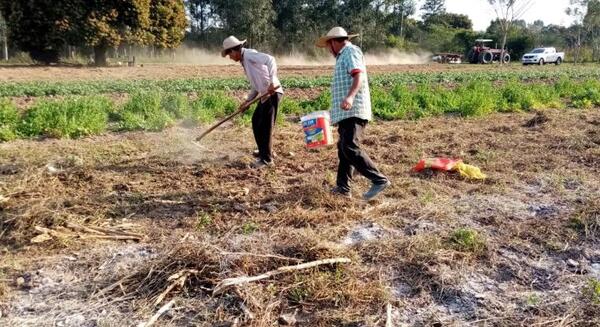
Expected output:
(413, 248)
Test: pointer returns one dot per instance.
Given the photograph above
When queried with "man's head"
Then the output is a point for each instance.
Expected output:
(232, 47)
(335, 40)
(336, 45)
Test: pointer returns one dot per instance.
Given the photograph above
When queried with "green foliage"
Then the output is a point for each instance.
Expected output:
(592, 291)
(168, 23)
(424, 96)
(563, 74)
(322, 102)
(204, 220)
(144, 112)
(211, 105)
(9, 117)
(177, 105)
(71, 118)
(468, 240)
(587, 95)
(517, 97)
(249, 228)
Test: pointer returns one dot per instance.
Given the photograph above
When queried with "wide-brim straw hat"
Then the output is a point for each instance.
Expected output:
(230, 43)
(334, 33)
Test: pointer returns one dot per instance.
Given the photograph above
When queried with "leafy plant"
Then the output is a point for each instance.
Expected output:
(144, 112)
(71, 117)
(9, 118)
(467, 240)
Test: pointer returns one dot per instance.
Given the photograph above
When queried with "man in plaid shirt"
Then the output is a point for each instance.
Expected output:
(351, 112)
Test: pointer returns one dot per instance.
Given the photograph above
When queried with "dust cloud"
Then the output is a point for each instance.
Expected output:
(198, 56)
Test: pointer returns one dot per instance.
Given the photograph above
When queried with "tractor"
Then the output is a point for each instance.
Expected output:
(482, 54)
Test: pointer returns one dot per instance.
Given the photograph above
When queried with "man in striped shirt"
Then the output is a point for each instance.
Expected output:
(261, 71)
(351, 112)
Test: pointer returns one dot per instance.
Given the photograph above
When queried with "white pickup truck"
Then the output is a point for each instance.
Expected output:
(541, 56)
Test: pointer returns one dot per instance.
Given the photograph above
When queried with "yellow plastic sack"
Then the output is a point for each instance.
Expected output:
(469, 171)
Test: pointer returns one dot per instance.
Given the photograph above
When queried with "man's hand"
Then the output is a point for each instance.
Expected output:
(271, 89)
(347, 103)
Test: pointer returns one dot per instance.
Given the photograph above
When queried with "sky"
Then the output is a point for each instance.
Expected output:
(481, 13)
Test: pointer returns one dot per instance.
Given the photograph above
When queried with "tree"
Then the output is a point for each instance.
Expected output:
(167, 23)
(433, 7)
(450, 20)
(251, 19)
(577, 10)
(37, 27)
(401, 9)
(507, 12)
(591, 22)
(201, 14)
(4, 36)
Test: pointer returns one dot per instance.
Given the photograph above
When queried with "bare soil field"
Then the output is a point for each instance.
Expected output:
(519, 249)
(172, 71)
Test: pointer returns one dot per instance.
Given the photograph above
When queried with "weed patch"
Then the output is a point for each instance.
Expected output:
(144, 112)
(468, 240)
(70, 118)
(9, 117)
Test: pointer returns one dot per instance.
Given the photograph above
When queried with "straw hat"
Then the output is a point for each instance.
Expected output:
(230, 43)
(334, 33)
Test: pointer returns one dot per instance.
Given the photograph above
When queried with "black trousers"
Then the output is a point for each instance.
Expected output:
(352, 157)
(263, 124)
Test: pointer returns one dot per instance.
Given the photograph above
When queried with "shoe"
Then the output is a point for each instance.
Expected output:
(255, 153)
(259, 164)
(339, 192)
(375, 190)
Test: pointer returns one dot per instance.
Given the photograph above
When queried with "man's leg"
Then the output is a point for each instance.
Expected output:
(351, 150)
(265, 126)
(345, 169)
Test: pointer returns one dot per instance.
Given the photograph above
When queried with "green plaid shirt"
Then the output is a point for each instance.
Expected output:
(349, 61)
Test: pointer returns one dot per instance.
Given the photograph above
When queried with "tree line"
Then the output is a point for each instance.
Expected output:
(45, 28)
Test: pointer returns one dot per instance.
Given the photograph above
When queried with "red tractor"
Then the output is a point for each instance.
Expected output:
(482, 54)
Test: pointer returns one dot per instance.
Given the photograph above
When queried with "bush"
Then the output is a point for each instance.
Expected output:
(72, 117)
(517, 97)
(467, 240)
(177, 105)
(322, 102)
(211, 105)
(9, 118)
(477, 99)
(144, 112)
(586, 95)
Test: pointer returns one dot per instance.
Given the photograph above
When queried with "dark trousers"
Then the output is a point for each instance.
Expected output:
(263, 123)
(352, 157)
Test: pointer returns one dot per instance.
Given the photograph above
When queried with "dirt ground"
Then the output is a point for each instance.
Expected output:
(204, 214)
(172, 71)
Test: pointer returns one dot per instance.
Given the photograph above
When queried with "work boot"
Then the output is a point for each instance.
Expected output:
(338, 191)
(259, 164)
(375, 190)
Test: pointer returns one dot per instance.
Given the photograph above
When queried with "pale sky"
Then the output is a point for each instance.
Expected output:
(481, 13)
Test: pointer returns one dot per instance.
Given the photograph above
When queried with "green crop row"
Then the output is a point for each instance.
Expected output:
(156, 110)
(35, 89)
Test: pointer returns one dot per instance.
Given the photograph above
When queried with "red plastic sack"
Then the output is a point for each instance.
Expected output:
(443, 164)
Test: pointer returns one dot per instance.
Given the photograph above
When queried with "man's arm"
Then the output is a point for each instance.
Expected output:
(349, 99)
(269, 62)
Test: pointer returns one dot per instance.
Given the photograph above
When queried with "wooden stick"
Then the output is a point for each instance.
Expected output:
(114, 231)
(240, 110)
(179, 280)
(157, 315)
(80, 228)
(226, 283)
